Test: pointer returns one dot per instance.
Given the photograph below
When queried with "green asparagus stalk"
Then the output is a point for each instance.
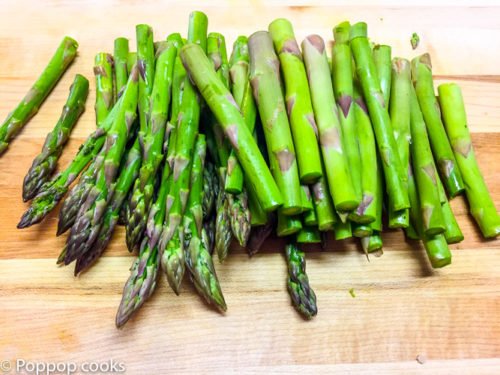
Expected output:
(298, 100)
(210, 185)
(452, 231)
(425, 174)
(330, 133)
(153, 139)
(45, 163)
(323, 205)
(287, 225)
(266, 84)
(120, 56)
(309, 234)
(309, 212)
(103, 71)
(372, 243)
(366, 212)
(301, 293)
(198, 259)
(221, 104)
(343, 88)
(223, 231)
(342, 230)
(435, 245)
(128, 173)
(400, 119)
(366, 72)
(28, 107)
(131, 60)
(481, 205)
(86, 227)
(171, 249)
(441, 148)
(382, 59)
(146, 64)
(242, 92)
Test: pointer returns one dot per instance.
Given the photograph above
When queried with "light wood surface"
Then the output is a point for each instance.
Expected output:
(449, 318)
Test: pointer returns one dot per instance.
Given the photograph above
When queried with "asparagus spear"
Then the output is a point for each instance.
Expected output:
(309, 234)
(85, 230)
(372, 242)
(171, 251)
(382, 59)
(382, 127)
(301, 293)
(366, 212)
(323, 205)
(441, 148)
(452, 232)
(242, 92)
(30, 104)
(342, 230)
(343, 88)
(400, 119)
(198, 259)
(330, 133)
(153, 139)
(146, 65)
(223, 231)
(44, 164)
(221, 104)
(210, 186)
(298, 100)
(425, 173)
(481, 205)
(128, 173)
(258, 235)
(103, 71)
(266, 84)
(121, 52)
(309, 212)
(287, 225)
(131, 60)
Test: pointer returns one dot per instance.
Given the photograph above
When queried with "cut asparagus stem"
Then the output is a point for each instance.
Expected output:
(301, 293)
(309, 234)
(481, 205)
(45, 163)
(452, 231)
(323, 205)
(287, 225)
(382, 127)
(382, 59)
(121, 52)
(265, 79)
(32, 101)
(343, 88)
(342, 230)
(361, 230)
(330, 133)
(372, 243)
(400, 120)
(221, 104)
(152, 141)
(435, 246)
(425, 174)
(298, 100)
(131, 60)
(441, 148)
(309, 215)
(103, 71)
(366, 212)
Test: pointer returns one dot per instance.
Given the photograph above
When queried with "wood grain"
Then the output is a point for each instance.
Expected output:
(403, 309)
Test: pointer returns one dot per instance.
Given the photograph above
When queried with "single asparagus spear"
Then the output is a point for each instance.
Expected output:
(343, 88)
(198, 259)
(441, 148)
(301, 293)
(435, 245)
(481, 205)
(42, 87)
(128, 173)
(104, 101)
(366, 212)
(309, 234)
(330, 133)
(242, 92)
(287, 225)
(323, 205)
(382, 59)
(372, 242)
(54, 190)
(342, 230)
(381, 122)
(223, 231)
(222, 105)
(153, 139)
(298, 100)
(309, 212)
(171, 250)
(452, 231)
(45, 163)
(209, 189)
(146, 65)
(424, 170)
(400, 120)
(258, 236)
(120, 56)
(266, 84)
(86, 228)
(131, 60)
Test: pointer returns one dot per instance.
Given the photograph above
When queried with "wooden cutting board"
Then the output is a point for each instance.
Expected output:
(403, 310)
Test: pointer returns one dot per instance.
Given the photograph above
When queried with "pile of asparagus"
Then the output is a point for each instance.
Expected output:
(193, 148)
